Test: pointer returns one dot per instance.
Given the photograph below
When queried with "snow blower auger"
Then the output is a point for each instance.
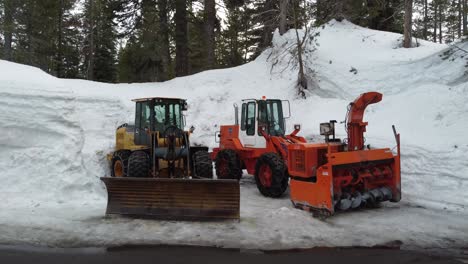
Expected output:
(258, 143)
(335, 176)
(157, 174)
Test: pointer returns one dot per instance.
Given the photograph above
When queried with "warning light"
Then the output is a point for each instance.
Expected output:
(263, 97)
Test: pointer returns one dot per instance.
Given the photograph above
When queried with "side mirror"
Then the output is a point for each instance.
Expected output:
(184, 106)
(297, 128)
(192, 128)
(289, 109)
(327, 130)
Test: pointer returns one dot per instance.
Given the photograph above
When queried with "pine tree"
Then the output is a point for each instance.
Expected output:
(8, 28)
(210, 22)
(100, 40)
(181, 38)
(45, 34)
(163, 40)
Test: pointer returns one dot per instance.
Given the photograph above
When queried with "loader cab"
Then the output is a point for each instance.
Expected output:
(157, 114)
(261, 115)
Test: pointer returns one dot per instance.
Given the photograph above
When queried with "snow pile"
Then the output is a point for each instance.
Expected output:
(56, 134)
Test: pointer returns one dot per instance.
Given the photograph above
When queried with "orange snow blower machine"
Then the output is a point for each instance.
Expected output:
(338, 176)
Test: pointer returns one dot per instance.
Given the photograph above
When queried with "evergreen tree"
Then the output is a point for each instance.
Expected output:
(210, 22)
(100, 41)
(181, 38)
(8, 28)
(45, 34)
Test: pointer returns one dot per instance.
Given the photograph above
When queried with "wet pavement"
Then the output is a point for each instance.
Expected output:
(206, 255)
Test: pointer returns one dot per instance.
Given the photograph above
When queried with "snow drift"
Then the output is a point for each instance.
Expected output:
(55, 134)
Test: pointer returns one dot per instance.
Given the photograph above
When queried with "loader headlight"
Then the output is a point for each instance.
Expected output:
(326, 129)
(297, 127)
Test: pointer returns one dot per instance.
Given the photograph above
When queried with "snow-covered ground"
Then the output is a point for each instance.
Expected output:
(55, 134)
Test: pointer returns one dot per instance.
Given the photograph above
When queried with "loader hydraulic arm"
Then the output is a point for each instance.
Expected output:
(354, 125)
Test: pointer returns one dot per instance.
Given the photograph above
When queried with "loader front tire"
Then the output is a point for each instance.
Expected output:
(202, 164)
(138, 164)
(119, 163)
(228, 165)
(271, 175)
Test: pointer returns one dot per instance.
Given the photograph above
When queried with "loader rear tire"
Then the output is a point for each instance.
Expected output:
(138, 164)
(271, 175)
(228, 165)
(202, 164)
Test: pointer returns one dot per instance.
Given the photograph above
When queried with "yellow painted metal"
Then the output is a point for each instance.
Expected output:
(125, 140)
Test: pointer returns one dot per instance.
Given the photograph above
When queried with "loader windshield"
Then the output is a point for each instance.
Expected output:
(167, 114)
(270, 115)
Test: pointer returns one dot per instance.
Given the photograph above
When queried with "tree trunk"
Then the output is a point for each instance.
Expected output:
(440, 23)
(408, 23)
(59, 40)
(209, 28)
(434, 35)
(181, 38)
(459, 18)
(465, 11)
(164, 41)
(302, 80)
(425, 20)
(283, 16)
(91, 18)
(8, 29)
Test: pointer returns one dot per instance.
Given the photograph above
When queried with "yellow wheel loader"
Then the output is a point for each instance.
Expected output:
(156, 173)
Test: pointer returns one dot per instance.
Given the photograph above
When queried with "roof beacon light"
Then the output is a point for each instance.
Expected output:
(263, 97)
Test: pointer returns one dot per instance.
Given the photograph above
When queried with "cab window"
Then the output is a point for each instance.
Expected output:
(243, 116)
(270, 115)
(143, 115)
(250, 119)
(159, 116)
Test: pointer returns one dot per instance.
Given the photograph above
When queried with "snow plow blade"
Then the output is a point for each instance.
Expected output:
(173, 199)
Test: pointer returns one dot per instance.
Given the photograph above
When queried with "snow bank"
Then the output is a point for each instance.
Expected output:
(56, 134)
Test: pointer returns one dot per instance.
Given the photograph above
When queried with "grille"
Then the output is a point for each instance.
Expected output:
(298, 160)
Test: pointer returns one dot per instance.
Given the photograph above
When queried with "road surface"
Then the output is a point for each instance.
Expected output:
(178, 254)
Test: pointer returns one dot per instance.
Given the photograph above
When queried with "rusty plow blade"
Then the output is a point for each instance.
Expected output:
(173, 199)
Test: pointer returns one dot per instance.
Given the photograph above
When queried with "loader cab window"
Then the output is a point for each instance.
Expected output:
(159, 116)
(167, 114)
(175, 115)
(248, 118)
(270, 115)
(143, 115)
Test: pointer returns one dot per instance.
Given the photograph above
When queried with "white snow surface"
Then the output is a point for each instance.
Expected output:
(56, 133)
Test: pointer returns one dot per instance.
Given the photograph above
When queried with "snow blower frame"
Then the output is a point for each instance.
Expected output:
(333, 176)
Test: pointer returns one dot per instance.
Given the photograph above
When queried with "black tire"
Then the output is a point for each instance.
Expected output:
(138, 164)
(120, 156)
(202, 164)
(228, 165)
(279, 175)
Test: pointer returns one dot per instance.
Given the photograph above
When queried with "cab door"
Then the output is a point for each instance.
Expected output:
(248, 128)
(142, 123)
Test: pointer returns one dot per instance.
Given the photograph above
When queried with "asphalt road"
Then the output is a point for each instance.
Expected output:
(173, 254)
